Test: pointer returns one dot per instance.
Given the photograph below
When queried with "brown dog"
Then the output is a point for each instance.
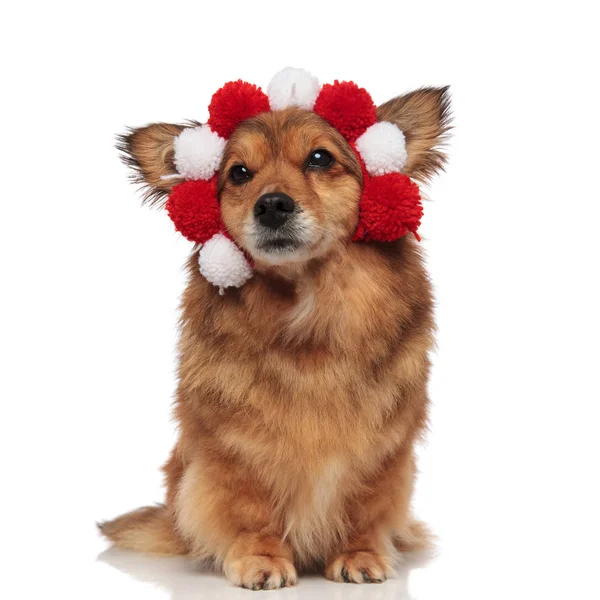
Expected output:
(301, 395)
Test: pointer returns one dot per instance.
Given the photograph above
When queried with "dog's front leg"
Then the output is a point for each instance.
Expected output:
(260, 560)
(226, 518)
(377, 519)
(362, 560)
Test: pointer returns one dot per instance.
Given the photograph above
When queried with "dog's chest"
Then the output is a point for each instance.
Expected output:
(324, 485)
(313, 516)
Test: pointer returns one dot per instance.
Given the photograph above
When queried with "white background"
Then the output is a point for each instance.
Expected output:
(91, 281)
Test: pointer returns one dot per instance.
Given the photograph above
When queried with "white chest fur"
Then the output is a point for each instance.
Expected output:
(315, 518)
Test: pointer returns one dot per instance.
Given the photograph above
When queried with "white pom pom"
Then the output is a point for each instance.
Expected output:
(293, 87)
(198, 152)
(223, 263)
(383, 148)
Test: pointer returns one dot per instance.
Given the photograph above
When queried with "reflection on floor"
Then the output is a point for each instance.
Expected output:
(184, 580)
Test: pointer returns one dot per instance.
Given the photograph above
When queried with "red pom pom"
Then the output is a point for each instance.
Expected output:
(235, 102)
(346, 107)
(194, 209)
(390, 207)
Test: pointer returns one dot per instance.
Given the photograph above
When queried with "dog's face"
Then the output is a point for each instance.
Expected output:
(289, 183)
(289, 187)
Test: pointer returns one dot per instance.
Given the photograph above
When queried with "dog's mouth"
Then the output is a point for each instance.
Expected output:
(292, 242)
(279, 244)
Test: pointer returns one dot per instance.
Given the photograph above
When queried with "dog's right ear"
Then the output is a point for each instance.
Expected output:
(149, 151)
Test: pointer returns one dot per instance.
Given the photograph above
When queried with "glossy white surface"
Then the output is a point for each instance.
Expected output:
(181, 580)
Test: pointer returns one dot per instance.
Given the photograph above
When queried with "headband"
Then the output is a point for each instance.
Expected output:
(390, 203)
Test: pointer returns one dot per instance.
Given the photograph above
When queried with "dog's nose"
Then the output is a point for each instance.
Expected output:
(273, 210)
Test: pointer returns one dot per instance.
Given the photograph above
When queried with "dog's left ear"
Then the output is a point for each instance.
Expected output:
(424, 118)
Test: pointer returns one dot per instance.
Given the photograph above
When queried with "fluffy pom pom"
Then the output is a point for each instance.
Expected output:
(223, 264)
(198, 152)
(390, 207)
(293, 87)
(194, 209)
(235, 102)
(382, 148)
(346, 107)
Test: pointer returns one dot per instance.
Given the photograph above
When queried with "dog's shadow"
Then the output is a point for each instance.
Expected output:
(184, 580)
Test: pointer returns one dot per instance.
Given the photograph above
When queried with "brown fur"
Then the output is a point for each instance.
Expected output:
(301, 395)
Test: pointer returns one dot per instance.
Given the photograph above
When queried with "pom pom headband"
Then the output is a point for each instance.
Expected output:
(390, 205)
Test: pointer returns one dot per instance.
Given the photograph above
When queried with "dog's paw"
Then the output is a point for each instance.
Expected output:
(358, 567)
(262, 572)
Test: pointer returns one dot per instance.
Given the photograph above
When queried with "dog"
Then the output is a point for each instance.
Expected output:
(301, 394)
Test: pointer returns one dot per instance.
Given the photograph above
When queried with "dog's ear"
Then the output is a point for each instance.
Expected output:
(149, 151)
(424, 118)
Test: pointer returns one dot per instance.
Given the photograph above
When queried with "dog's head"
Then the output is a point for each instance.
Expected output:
(289, 187)
(289, 183)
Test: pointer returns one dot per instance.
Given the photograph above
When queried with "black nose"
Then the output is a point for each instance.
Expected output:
(272, 210)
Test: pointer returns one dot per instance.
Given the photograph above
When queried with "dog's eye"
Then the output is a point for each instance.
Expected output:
(319, 159)
(239, 174)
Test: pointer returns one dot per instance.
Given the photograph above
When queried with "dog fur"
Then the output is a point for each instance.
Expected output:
(302, 394)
